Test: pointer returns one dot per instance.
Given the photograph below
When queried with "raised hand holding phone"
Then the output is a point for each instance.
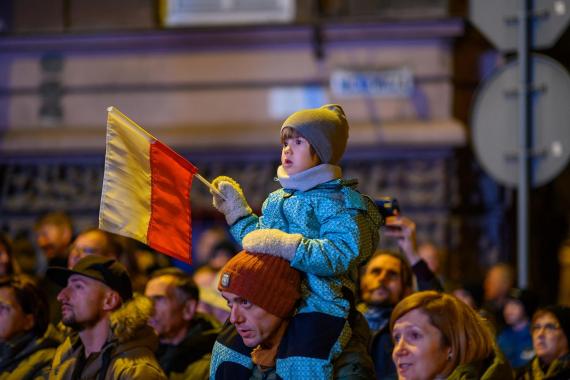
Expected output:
(403, 229)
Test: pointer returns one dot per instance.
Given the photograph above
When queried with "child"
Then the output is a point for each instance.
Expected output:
(515, 340)
(318, 222)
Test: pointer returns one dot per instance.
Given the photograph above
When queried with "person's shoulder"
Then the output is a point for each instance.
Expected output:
(33, 365)
(197, 370)
(136, 363)
(139, 370)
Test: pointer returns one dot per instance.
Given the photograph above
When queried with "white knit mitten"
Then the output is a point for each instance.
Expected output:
(273, 242)
(235, 205)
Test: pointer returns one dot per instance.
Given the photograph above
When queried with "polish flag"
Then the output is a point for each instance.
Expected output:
(146, 189)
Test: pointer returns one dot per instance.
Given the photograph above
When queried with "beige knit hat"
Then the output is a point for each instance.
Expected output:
(325, 128)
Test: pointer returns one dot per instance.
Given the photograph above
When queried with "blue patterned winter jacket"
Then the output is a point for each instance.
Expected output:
(340, 232)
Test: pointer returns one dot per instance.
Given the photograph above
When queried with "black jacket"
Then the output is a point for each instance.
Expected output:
(27, 357)
(198, 342)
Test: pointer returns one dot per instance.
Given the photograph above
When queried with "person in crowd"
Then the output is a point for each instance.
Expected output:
(386, 279)
(471, 294)
(113, 339)
(515, 340)
(8, 265)
(550, 330)
(211, 301)
(208, 239)
(435, 260)
(437, 336)
(221, 253)
(317, 221)
(26, 346)
(263, 292)
(93, 241)
(186, 336)
(499, 280)
(54, 233)
(24, 257)
(206, 276)
(140, 260)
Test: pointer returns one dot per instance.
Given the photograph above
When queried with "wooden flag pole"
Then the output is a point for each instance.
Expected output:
(210, 186)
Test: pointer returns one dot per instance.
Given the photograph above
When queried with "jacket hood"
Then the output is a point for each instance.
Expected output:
(133, 315)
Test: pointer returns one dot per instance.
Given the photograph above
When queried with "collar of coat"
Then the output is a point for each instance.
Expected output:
(309, 178)
(125, 323)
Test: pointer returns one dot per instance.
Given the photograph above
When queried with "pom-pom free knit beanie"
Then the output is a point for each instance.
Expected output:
(266, 281)
(325, 128)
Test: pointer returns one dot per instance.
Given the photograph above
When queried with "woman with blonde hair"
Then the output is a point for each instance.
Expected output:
(438, 336)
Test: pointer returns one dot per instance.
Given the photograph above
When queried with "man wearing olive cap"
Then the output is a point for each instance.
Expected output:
(112, 339)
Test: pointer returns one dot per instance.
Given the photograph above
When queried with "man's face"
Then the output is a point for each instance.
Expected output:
(548, 339)
(82, 302)
(13, 320)
(168, 317)
(497, 283)
(253, 324)
(89, 243)
(53, 240)
(381, 284)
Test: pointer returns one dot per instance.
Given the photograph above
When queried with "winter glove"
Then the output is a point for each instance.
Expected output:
(273, 242)
(234, 206)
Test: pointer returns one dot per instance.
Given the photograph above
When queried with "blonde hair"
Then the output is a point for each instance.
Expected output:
(463, 330)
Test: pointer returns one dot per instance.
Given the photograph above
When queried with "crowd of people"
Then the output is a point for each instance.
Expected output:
(105, 328)
(297, 292)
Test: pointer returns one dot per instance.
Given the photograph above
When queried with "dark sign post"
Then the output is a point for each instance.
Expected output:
(526, 143)
(536, 82)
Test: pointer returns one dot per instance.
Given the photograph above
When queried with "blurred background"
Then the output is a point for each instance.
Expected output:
(214, 79)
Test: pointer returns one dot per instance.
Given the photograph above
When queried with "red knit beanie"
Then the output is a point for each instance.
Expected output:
(266, 281)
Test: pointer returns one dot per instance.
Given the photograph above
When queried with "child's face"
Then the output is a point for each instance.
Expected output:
(513, 312)
(296, 155)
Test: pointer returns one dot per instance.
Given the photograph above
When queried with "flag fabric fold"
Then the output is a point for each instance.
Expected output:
(146, 189)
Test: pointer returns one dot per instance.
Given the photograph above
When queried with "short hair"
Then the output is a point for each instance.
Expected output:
(56, 218)
(406, 273)
(561, 313)
(31, 299)
(462, 329)
(112, 245)
(183, 283)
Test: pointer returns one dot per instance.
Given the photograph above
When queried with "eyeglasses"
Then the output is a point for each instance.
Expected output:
(84, 251)
(548, 327)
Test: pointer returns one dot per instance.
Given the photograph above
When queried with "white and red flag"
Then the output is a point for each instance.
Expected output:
(146, 189)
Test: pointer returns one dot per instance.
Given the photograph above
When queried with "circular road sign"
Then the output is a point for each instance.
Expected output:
(498, 21)
(495, 122)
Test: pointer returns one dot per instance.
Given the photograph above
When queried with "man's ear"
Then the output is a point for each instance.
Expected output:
(189, 309)
(111, 301)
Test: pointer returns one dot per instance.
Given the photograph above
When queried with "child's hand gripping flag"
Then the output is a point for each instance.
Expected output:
(146, 189)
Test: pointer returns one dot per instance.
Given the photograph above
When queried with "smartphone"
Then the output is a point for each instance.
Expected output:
(387, 206)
